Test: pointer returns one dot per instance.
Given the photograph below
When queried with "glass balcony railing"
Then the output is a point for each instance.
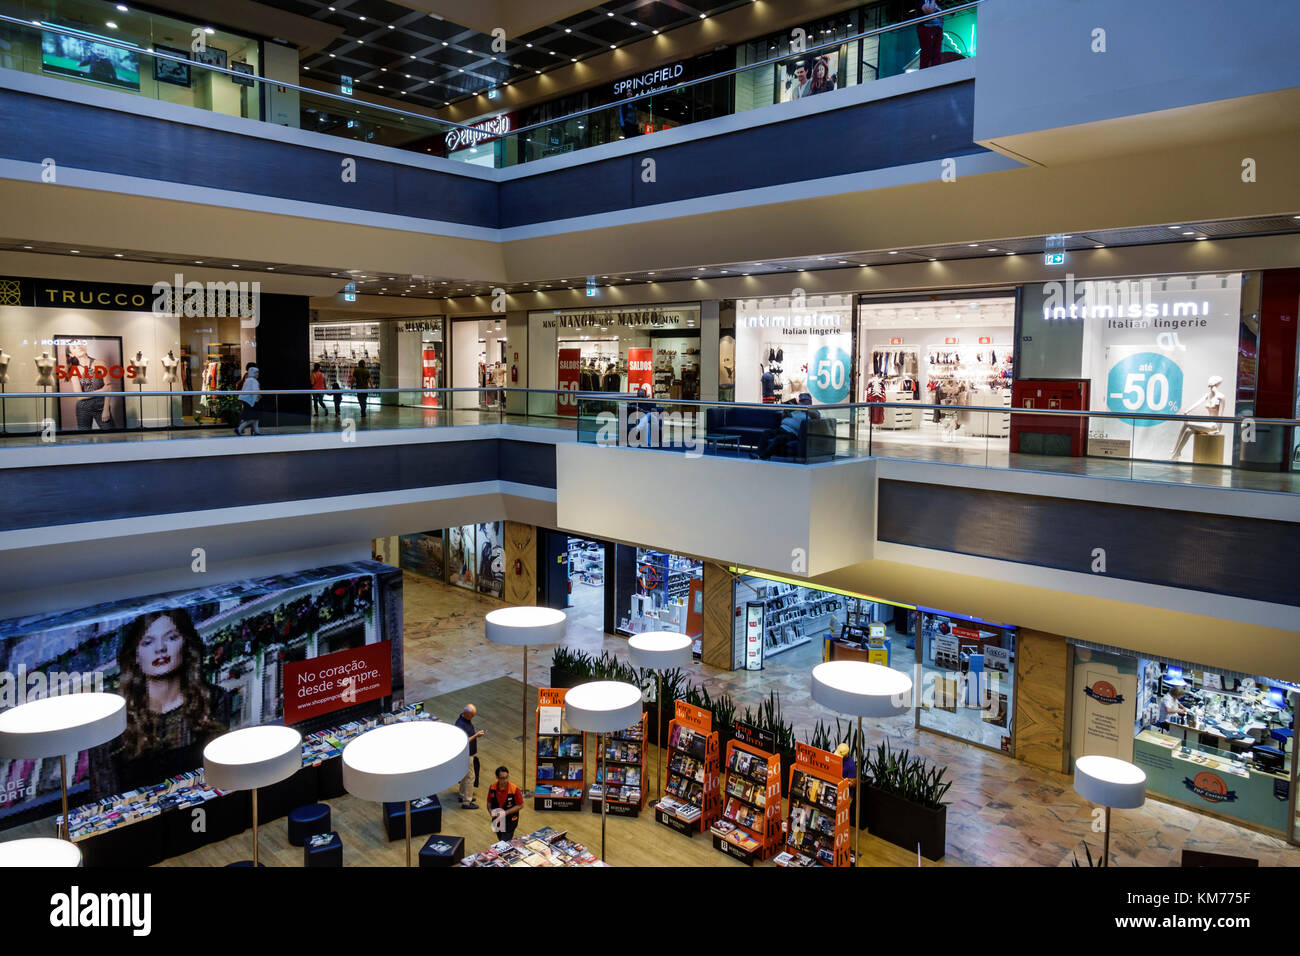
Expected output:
(1039, 440)
(156, 56)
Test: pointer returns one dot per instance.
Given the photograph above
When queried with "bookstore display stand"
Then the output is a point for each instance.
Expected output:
(398, 763)
(692, 803)
(605, 707)
(750, 826)
(58, 726)
(251, 758)
(625, 749)
(659, 651)
(817, 829)
(39, 851)
(524, 627)
(861, 689)
(560, 751)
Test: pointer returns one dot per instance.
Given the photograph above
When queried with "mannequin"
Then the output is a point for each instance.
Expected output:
(4, 366)
(1213, 401)
(4, 377)
(141, 368)
(169, 363)
(798, 383)
(45, 370)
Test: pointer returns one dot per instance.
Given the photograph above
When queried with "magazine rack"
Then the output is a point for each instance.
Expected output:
(561, 753)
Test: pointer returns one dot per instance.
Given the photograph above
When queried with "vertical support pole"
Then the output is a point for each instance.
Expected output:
(255, 864)
(408, 832)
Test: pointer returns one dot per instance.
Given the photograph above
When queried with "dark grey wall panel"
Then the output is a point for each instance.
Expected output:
(87, 137)
(1243, 557)
(130, 489)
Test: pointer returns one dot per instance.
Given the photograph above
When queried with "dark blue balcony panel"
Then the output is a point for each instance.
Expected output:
(928, 125)
(129, 489)
(1248, 558)
(127, 144)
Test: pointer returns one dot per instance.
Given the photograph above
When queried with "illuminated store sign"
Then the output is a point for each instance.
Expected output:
(650, 82)
(480, 132)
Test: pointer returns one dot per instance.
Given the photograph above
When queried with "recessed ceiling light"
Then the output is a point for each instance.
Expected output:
(613, 47)
(656, 33)
(1099, 246)
(363, 19)
(199, 262)
(538, 72)
(894, 253)
(117, 255)
(331, 56)
(1189, 233)
(391, 27)
(121, 7)
(75, 251)
(1201, 238)
(991, 249)
(573, 60)
(932, 260)
(110, 24)
(703, 17)
(567, 30)
(974, 244)
(209, 30)
(609, 14)
(1175, 227)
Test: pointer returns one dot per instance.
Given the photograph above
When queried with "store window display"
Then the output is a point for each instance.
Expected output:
(950, 350)
(479, 361)
(1162, 344)
(794, 349)
(616, 350)
(339, 346)
(658, 591)
(968, 669)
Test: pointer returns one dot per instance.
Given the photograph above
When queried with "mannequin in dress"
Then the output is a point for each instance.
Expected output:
(141, 368)
(4, 366)
(1213, 401)
(45, 370)
(169, 363)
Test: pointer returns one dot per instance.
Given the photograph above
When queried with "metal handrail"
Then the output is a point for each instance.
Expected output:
(641, 399)
(450, 124)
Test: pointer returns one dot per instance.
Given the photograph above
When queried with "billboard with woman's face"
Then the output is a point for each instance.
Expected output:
(191, 665)
(91, 379)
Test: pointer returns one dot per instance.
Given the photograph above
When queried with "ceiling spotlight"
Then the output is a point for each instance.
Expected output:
(1201, 238)
(656, 33)
(894, 253)
(529, 45)
(117, 255)
(110, 24)
(613, 47)
(567, 30)
(75, 252)
(121, 8)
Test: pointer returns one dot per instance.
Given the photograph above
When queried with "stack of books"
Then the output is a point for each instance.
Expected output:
(543, 848)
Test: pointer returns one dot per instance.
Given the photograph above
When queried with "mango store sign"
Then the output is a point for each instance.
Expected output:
(466, 136)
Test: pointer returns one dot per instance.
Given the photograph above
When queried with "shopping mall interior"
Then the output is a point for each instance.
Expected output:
(774, 433)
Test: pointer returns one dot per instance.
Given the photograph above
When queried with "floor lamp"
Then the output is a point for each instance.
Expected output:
(251, 758)
(398, 763)
(526, 626)
(39, 851)
(659, 651)
(859, 689)
(1111, 783)
(58, 726)
(603, 707)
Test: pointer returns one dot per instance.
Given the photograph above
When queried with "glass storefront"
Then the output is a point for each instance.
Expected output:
(1164, 344)
(1213, 740)
(479, 360)
(469, 556)
(963, 669)
(81, 59)
(794, 349)
(340, 348)
(658, 591)
(88, 346)
(944, 349)
(651, 347)
(409, 353)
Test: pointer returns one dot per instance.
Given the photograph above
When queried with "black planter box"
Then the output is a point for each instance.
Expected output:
(653, 734)
(904, 823)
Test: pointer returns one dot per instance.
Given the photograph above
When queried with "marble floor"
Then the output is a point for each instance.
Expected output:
(1003, 812)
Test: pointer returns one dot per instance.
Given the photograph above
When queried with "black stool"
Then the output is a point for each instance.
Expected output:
(442, 850)
(324, 853)
(308, 821)
(426, 818)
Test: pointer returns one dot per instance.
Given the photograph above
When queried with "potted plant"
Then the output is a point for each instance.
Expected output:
(673, 683)
(569, 668)
(724, 718)
(770, 717)
(903, 800)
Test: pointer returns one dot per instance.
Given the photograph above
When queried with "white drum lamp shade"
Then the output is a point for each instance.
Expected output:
(603, 706)
(63, 724)
(659, 650)
(860, 689)
(406, 761)
(58, 726)
(1109, 782)
(252, 757)
(39, 851)
(525, 626)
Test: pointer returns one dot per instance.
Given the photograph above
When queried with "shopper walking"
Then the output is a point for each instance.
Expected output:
(504, 801)
(467, 784)
(318, 392)
(337, 389)
(249, 398)
(361, 382)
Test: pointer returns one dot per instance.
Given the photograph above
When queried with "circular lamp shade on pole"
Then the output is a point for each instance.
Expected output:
(861, 690)
(402, 762)
(251, 758)
(659, 651)
(602, 707)
(61, 725)
(523, 627)
(39, 851)
(1111, 783)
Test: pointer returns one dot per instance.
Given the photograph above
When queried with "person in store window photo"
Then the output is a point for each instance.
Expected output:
(172, 713)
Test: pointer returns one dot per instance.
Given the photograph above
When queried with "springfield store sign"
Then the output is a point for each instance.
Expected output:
(467, 136)
(652, 82)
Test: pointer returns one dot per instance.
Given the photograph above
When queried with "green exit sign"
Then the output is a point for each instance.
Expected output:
(1054, 258)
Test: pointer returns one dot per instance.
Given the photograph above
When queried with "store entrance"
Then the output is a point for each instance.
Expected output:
(954, 350)
(586, 582)
(478, 361)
